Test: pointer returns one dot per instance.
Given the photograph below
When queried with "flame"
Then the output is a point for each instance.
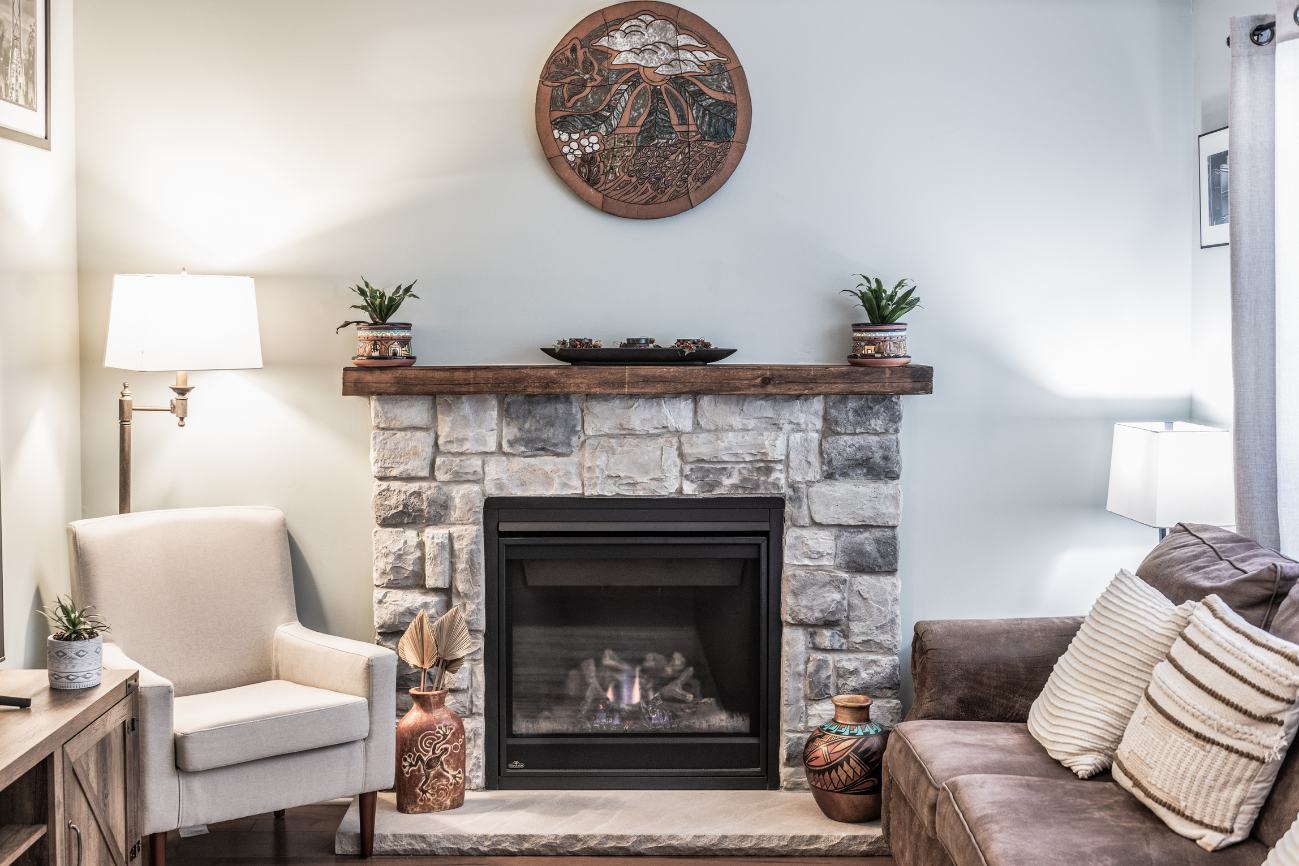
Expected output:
(635, 689)
(609, 693)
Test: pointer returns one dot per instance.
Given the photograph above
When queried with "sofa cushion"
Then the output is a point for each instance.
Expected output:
(988, 820)
(924, 754)
(1196, 560)
(276, 717)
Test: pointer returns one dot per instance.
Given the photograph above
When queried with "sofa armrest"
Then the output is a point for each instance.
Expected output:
(159, 778)
(984, 670)
(352, 667)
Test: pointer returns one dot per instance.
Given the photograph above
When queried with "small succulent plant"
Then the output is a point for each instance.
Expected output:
(884, 306)
(69, 622)
(378, 304)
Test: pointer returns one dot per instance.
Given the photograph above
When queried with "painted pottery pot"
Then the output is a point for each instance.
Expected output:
(842, 760)
(879, 345)
(383, 345)
(74, 664)
(430, 755)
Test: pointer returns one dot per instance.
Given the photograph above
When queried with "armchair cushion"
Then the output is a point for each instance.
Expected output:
(276, 717)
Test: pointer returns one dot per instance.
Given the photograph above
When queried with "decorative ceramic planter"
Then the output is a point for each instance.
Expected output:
(842, 761)
(879, 345)
(383, 345)
(74, 664)
(430, 755)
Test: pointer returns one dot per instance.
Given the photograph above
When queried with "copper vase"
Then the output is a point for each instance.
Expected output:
(430, 755)
(842, 761)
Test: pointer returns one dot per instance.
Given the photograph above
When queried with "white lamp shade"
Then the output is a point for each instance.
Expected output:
(1167, 472)
(183, 322)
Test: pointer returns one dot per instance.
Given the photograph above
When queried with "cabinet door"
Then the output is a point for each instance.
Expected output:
(98, 791)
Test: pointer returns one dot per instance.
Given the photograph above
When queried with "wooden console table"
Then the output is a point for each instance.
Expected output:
(68, 773)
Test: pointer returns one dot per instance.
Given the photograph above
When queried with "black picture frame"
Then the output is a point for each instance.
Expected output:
(42, 93)
(1213, 167)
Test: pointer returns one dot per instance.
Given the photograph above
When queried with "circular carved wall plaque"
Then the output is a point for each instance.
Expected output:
(643, 110)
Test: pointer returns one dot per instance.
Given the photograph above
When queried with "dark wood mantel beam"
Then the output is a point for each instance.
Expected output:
(771, 379)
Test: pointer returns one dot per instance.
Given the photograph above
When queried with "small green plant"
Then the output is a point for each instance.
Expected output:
(884, 306)
(70, 622)
(378, 304)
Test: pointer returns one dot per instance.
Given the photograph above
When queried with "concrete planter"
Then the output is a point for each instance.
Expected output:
(74, 664)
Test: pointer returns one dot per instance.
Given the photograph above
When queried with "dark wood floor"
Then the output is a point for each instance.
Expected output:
(305, 837)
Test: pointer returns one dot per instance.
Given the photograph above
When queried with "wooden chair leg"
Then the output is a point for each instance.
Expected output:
(279, 814)
(369, 803)
(157, 849)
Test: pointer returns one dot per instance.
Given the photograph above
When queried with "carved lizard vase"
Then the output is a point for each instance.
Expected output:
(430, 755)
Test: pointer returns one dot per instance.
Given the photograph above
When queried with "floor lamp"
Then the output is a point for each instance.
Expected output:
(176, 322)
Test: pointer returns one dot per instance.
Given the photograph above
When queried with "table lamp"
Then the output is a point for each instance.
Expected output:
(179, 322)
(1167, 472)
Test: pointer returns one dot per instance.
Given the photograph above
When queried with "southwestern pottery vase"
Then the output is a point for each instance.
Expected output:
(879, 345)
(430, 755)
(383, 344)
(842, 761)
(74, 664)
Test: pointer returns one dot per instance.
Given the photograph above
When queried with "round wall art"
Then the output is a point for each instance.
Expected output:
(643, 110)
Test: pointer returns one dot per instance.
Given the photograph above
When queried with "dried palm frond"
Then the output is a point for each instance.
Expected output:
(417, 647)
(453, 641)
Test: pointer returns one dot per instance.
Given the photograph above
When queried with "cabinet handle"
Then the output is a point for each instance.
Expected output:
(76, 831)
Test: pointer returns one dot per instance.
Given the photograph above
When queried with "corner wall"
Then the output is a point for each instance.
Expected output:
(1026, 163)
(40, 429)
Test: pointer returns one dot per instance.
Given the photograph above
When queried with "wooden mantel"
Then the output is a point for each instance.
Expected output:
(771, 379)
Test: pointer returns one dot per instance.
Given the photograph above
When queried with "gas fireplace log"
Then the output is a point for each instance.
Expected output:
(684, 689)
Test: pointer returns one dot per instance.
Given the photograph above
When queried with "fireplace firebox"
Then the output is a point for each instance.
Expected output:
(632, 643)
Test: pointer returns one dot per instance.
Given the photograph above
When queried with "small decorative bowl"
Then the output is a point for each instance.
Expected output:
(638, 343)
(690, 344)
(579, 343)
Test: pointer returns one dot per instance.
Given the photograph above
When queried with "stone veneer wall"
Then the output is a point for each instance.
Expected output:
(835, 460)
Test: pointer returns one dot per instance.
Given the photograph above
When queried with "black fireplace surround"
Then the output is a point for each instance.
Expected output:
(632, 643)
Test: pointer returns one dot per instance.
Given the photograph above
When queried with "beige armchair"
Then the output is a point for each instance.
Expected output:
(242, 709)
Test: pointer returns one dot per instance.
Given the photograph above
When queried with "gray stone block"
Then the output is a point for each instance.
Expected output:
(793, 655)
(867, 549)
(866, 675)
(395, 413)
(806, 546)
(804, 457)
(828, 638)
(467, 424)
(538, 425)
(394, 609)
(855, 503)
(733, 478)
(631, 465)
(818, 679)
(474, 778)
(863, 414)
(404, 503)
(437, 558)
(797, 512)
(815, 597)
(887, 712)
(467, 574)
(734, 412)
(861, 455)
(401, 453)
(451, 468)
(531, 476)
(398, 557)
(464, 503)
(733, 446)
(613, 415)
(873, 613)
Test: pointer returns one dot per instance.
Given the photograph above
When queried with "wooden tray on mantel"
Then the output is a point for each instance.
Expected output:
(611, 379)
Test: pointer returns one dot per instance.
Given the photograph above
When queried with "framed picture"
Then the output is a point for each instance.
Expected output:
(1214, 215)
(25, 71)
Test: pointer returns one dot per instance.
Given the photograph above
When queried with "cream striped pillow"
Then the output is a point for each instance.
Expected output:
(1080, 716)
(1286, 852)
(1208, 737)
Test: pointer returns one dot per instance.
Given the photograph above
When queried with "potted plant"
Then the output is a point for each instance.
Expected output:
(381, 342)
(74, 651)
(881, 341)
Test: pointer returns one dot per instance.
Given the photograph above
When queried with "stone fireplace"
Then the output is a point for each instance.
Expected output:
(832, 460)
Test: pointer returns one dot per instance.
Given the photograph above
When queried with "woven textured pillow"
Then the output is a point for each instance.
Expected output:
(1207, 738)
(1081, 714)
(1286, 851)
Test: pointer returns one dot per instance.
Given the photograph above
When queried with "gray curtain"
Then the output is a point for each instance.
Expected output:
(1264, 205)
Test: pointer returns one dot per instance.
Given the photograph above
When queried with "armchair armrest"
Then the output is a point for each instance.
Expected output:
(159, 778)
(352, 667)
(985, 670)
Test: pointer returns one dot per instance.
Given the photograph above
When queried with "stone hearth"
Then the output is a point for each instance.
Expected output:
(834, 459)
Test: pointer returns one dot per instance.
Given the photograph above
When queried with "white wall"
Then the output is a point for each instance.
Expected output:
(1211, 399)
(1026, 162)
(40, 479)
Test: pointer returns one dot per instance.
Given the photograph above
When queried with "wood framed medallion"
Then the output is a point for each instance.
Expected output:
(643, 110)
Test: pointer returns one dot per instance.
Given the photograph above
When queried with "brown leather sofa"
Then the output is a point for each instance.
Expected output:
(964, 784)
